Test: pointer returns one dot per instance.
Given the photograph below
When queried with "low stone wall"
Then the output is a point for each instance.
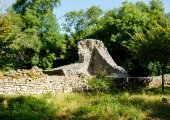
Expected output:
(157, 80)
(47, 84)
(132, 83)
(33, 81)
(30, 82)
(137, 83)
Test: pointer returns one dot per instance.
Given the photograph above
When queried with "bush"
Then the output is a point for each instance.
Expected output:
(117, 84)
(101, 84)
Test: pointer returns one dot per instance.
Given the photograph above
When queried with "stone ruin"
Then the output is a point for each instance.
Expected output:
(93, 59)
(34, 72)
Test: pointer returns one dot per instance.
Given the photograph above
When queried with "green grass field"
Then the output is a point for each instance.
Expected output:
(87, 106)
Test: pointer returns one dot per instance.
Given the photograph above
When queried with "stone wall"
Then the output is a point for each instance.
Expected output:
(30, 82)
(20, 83)
(132, 83)
(58, 84)
(157, 80)
(137, 83)
(48, 84)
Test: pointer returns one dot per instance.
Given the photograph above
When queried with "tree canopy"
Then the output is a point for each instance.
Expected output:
(153, 45)
(116, 28)
(30, 34)
(39, 41)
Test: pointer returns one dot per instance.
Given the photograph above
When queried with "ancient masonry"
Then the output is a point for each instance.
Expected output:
(29, 82)
(93, 59)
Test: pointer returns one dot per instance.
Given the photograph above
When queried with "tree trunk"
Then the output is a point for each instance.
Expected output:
(163, 67)
(162, 82)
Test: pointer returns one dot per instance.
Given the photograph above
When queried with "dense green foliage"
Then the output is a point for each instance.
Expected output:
(137, 36)
(110, 84)
(101, 85)
(152, 45)
(116, 29)
(30, 34)
(9, 28)
(87, 106)
(38, 41)
(168, 15)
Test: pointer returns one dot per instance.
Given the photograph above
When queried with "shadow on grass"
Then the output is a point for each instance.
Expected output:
(154, 109)
(65, 117)
(158, 90)
(25, 108)
(80, 113)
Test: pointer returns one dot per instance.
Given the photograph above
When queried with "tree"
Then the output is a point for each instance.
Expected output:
(5, 27)
(40, 42)
(168, 15)
(9, 27)
(80, 24)
(75, 20)
(156, 6)
(153, 45)
(116, 28)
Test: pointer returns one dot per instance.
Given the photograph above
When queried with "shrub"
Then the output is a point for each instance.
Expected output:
(101, 84)
(136, 85)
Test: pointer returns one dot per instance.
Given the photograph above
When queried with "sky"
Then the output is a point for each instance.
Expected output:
(70, 5)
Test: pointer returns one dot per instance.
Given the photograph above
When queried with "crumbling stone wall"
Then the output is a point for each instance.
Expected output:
(157, 80)
(137, 83)
(29, 82)
(48, 84)
(93, 59)
(25, 82)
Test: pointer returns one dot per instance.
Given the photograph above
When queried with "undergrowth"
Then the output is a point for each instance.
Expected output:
(101, 103)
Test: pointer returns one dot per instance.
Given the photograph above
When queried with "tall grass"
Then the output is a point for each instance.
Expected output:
(26, 108)
(86, 106)
(113, 106)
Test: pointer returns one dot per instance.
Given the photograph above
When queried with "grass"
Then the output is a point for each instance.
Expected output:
(25, 108)
(87, 106)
